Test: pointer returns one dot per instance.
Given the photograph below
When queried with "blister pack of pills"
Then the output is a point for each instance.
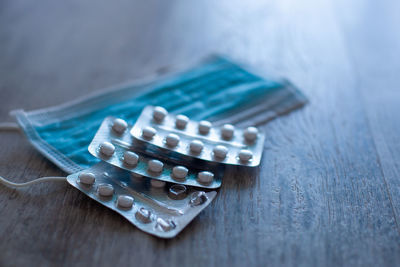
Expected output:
(191, 139)
(160, 209)
(114, 144)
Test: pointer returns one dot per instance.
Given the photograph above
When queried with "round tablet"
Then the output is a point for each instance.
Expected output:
(125, 201)
(137, 176)
(87, 178)
(143, 215)
(119, 125)
(131, 158)
(204, 127)
(157, 183)
(105, 190)
(220, 152)
(181, 121)
(159, 114)
(227, 131)
(148, 132)
(106, 148)
(205, 177)
(177, 191)
(245, 155)
(250, 134)
(179, 172)
(196, 146)
(172, 140)
(155, 165)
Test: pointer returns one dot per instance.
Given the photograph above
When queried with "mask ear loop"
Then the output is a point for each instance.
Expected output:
(36, 181)
(11, 126)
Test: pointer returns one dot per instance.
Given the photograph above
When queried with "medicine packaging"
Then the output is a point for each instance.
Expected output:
(178, 135)
(156, 207)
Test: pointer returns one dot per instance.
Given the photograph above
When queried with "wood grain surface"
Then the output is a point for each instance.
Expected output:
(327, 191)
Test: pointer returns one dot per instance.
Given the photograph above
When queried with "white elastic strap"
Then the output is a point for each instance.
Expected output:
(39, 180)
(9, 126)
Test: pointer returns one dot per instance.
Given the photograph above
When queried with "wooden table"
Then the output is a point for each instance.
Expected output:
(327, 192)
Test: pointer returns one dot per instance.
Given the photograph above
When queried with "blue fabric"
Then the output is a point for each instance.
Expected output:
(211, 89)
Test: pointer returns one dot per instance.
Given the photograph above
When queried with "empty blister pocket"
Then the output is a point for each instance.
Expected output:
(176, 133)
(161, 210)
(114, 144)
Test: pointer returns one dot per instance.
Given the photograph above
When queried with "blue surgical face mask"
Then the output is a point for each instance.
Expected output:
(217, 89)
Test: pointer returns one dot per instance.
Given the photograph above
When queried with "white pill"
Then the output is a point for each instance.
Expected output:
(136, 176)
(105, 190)
(220, 152)
(172, 140)
(245, 155)
(204, 127)
(131, 158)
(155, 165)
(205, 177)
(87, 178)
(196, 146)
(179, 172)
(227, 131)
(163, 225)
(125, 201)
(181, 121)
(148, 132)
(143, 215)
(250, 134)
(107, 148)
(157, 183)
(159, 114)
(119, 125)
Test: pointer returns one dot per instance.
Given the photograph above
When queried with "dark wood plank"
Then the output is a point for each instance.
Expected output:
(378, 82)
(327, 191)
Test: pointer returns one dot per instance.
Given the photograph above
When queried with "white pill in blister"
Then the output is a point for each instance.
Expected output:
(250, 134)
(181, 121)
(143, 215)
(155, 165)
(125, 201)
(137, 176)
(204, 127)
(245, 155)
(196, 146)
(172, 140)
(227, 131)
(131, 158)
(205, 177)
(87, 178)
(179, 172)
(107, 148)
(119, 125)
(159, 113)
(105, 190)
(163, 225)
(148, 132)
(157, 183)
(220, 152)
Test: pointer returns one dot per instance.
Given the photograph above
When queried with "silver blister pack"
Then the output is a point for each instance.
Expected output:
(114, 144)
(162, 211)
(191, 139)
